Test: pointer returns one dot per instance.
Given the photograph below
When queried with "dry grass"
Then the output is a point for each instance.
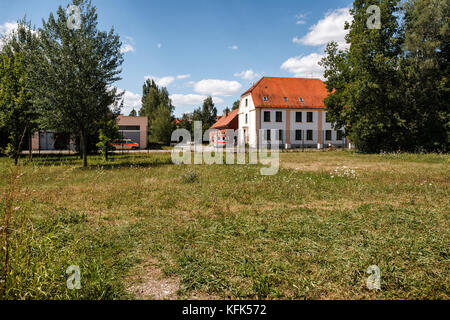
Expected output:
(140, 227)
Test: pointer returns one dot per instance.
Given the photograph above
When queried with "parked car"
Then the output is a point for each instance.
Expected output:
(220, 141)
(125, 144)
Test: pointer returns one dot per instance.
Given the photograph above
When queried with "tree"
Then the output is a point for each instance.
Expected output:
(207, 114)
(163, 124)
(152, 98)
(236, 105)
(75, 73)
(226, 111)
(186, 122)
(133, 113)
(108, 132)
(20, 113)
(15, 110)
(364, 81)
(425, 71)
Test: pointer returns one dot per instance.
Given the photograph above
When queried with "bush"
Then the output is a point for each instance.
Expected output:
(189, 177)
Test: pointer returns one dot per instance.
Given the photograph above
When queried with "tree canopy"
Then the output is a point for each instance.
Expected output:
(207, 114)
(378, 89)
(18, 111)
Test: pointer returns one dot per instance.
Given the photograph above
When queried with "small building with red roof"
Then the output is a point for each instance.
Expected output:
(229, 121)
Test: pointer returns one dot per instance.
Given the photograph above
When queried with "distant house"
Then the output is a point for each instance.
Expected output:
(134, 128)
(229, 121)
(289, 110)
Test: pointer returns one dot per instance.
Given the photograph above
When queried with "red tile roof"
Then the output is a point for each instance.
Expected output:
(225, 121)
(313, 92)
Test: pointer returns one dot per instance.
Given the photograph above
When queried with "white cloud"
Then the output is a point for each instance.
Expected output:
(181, 100)
(247, 75)
(8, 28)
(330, 28)
(162, 82)
(131, 101)
(214, 87)
(297, 40)
(304, 66)
(126, 48)
(301, 18)
(233, 47)
(128, 45)
(159, 45)
(183, 76)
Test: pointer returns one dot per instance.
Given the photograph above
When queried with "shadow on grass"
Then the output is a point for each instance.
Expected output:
(97, 162)
(127, 164)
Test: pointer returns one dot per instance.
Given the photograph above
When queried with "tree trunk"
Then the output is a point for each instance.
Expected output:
(30, 147)
(83, 149)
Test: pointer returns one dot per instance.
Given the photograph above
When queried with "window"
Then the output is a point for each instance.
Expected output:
(246, 102)
(280, 135)
(298, 117)
(266, 116)
(286, 99)
(309, 117)
(301, 100)
(339, 135)
(246, 118)
(279, 116)
(327, 118)
(309, 135)
(129, 128)
(328, 135)
(265, 99)
(268, 138)
(298, 135)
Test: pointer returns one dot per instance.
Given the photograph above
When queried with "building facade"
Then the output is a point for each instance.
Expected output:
(288, 111)
(229, 121)
(133, 128)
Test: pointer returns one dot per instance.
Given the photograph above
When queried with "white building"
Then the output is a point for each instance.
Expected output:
(289, 110)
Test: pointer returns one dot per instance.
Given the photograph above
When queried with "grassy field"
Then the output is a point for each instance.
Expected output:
(140, 227)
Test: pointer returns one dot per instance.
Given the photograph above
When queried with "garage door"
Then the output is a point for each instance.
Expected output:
(46, 141)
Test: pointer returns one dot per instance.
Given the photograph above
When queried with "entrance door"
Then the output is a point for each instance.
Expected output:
(246, 135)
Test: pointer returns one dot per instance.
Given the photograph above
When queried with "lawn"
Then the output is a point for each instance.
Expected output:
(141, 227)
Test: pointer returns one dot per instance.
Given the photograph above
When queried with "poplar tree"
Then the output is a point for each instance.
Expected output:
(14, 101)
(207, 114)
(152, 98)
(18, 111)
(75, 73)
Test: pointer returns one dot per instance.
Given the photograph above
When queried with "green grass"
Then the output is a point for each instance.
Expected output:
(309, 232)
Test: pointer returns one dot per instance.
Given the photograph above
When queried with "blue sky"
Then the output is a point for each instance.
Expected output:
(207, 47)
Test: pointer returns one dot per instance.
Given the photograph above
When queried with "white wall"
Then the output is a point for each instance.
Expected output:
(328, 126)
(273, 125)
(304, 126)
(250, 111)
